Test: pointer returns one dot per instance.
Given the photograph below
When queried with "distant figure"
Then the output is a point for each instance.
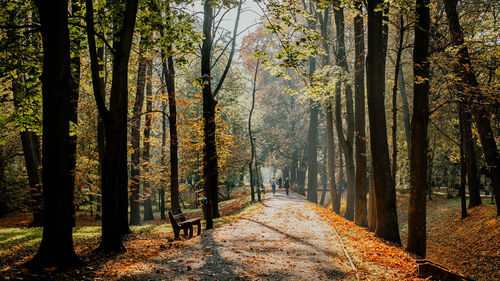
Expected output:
(287, 185)
(280, 181)
(273, 185)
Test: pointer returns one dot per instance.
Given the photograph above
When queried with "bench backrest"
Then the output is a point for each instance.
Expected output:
(176, 218)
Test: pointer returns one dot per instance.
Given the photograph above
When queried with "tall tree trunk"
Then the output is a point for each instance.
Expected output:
(294, 169)
(323, 177)
(163, 153)
(330, 140)
(470, 92)
(56, 247)
(347, 141)
(210, 172)
(75, 46)
(114, 166)
(385, 193)
(312, 151)
(360, 212)
(250, 135)
(463, 168)
(301, 172)
(135, 138)
(470, 154)
(406, 108)
(372, 206)
(174, 142)
(420, 119)
(100, 128)
(148, 207)
(397, 66)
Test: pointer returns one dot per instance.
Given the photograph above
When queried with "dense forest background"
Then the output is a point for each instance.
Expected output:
(115, 112)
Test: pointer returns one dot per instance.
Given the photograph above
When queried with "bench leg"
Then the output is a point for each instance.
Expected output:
(190, 230)
(199, 228)
(185, 228)
(176, 233)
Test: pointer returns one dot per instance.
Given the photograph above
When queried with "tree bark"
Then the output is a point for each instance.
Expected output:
(114, 166)
(360, 211)
(385, 193)
(406, 108)
(135, 138)
(347, 141)
(174, 142)
(420, 119)
(210, 171)
(250, 135)
(463, 169)
(470, 154)
(397, 66)
(148, 207)
(468, 88)
(56, 247)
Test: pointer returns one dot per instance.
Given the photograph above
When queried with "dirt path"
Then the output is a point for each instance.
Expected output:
(284, 240)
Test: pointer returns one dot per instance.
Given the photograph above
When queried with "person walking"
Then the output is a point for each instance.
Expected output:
(280, 181)
(287, 185)
(273, 185)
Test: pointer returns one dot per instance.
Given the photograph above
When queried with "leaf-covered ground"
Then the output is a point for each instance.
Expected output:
(284, 238)
(469, 246)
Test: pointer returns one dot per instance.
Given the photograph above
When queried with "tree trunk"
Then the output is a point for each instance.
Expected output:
(294, 169)
(210, 171)
(470, 154)
(250, 135)
(463, 168)
(420, 119)
(360, 212)
(135, 138)
(347, 141)
(323, 177)
(114, 166)
(385, 193)
(100, 128)
(301, 172)
(148, 207)
(334, 195)
(372, 206)
(406, 108)
(469, 91)
(397, 66)
(312, 151)
(56, 247)
(75, 46)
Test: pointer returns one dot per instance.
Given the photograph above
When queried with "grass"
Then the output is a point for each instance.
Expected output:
(19, 243)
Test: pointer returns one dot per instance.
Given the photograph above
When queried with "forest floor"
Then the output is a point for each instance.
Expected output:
(284, 238)
(469, 246)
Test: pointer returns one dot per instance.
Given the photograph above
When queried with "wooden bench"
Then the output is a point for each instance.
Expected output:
(179, 222)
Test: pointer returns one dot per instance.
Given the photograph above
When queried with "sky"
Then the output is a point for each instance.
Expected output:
(250, 15)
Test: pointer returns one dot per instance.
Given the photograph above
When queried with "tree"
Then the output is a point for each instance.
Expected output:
(148, 208)
(114, 165)
(469, 90)
(135, 134)
(56, 247)
(347, 141)
(210, 170)
(420, 119)
(360, 212)
(385, 193)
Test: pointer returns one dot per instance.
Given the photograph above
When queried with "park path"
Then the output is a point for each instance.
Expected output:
(283, 240)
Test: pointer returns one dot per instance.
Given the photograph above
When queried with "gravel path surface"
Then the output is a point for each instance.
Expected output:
(283, 240)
